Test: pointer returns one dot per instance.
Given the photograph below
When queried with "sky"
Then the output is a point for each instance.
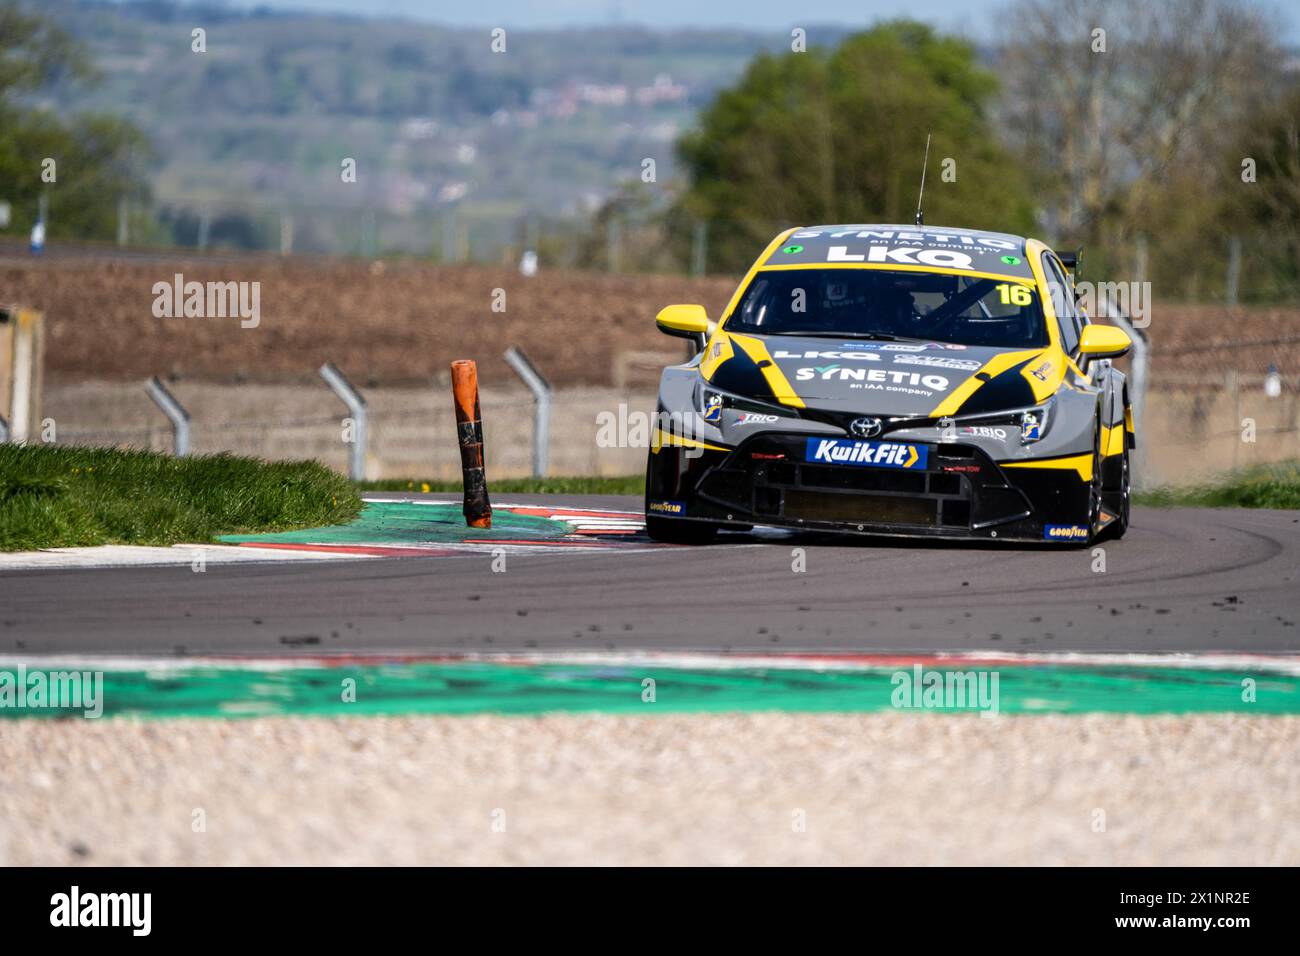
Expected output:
(974, 19)
(956, 15)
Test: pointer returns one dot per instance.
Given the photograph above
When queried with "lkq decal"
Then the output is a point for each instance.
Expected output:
(941, 258)
(818, 354)
(868, 454)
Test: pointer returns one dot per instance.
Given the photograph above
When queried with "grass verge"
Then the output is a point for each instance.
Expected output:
(1264, 486)
(621, 485)
(56, 497)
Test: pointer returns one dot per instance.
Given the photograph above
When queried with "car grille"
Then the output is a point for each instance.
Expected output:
(766, 477)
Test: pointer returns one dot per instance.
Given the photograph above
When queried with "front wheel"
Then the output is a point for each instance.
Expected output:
(1096, 487)
(1124, 498)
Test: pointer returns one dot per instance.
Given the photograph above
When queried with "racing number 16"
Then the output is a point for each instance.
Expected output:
(1014, 294)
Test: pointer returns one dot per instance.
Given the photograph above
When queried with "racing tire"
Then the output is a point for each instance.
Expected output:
(674, 531)
(1096, 488)
(1116, 529)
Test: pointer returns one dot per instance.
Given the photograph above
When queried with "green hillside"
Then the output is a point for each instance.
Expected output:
(260, 122)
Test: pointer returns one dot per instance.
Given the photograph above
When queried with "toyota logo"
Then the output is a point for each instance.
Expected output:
(866, 427)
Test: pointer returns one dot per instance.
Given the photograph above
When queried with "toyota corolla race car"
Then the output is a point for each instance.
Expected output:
(895, 380)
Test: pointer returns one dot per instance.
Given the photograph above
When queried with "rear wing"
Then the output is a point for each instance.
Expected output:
(1071, 262)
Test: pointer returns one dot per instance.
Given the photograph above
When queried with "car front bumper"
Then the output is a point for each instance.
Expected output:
(957, 492)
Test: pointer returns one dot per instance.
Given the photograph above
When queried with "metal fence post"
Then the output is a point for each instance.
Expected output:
(286, 234)
(613, 244)
(369, 234)
(699, 248)
(205, 228)
(1138, 397)
(123, 220)
(449, 235)
(541, 390)
(1234, 270)
(175, 411)
(22, 341)
(357, 408)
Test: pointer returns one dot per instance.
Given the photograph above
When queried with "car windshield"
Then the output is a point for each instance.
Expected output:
(871, 303)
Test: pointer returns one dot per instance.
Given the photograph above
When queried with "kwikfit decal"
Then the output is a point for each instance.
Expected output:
(869, 454)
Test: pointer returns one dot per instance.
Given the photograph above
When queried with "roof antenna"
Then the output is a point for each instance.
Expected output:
(920, 216)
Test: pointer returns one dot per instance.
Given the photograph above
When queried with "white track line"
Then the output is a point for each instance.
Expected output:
(131, 556)
(1287, 664)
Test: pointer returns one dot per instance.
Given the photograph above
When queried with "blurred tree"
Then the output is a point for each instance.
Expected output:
(1122, 110)
(1265, 206)
(629, 233)
(34, 51)
(839, 136)
(98, 160)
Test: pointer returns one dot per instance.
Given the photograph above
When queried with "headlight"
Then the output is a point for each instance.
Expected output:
(1031, 423)
(710, 402)
(711, 406)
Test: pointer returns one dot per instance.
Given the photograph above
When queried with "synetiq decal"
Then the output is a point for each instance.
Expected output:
(870, 454)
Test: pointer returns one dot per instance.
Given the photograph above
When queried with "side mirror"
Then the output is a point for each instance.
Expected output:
(1103, 341)
(686, 322)
(683, 321)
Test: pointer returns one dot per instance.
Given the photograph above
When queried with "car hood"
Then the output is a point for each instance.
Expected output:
(904, 379)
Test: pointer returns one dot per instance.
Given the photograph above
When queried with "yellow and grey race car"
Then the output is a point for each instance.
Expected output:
(897, 380)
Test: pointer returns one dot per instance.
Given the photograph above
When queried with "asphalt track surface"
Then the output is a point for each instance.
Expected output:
(1182, 580)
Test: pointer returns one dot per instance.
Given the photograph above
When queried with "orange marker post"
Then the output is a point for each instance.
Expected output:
(469, 433)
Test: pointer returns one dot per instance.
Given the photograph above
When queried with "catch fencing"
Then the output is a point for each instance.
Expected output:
(1199, 419)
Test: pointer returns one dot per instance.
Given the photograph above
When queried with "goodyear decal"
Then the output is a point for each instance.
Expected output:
(666, 507)
(868, 454)
(1065, 532)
